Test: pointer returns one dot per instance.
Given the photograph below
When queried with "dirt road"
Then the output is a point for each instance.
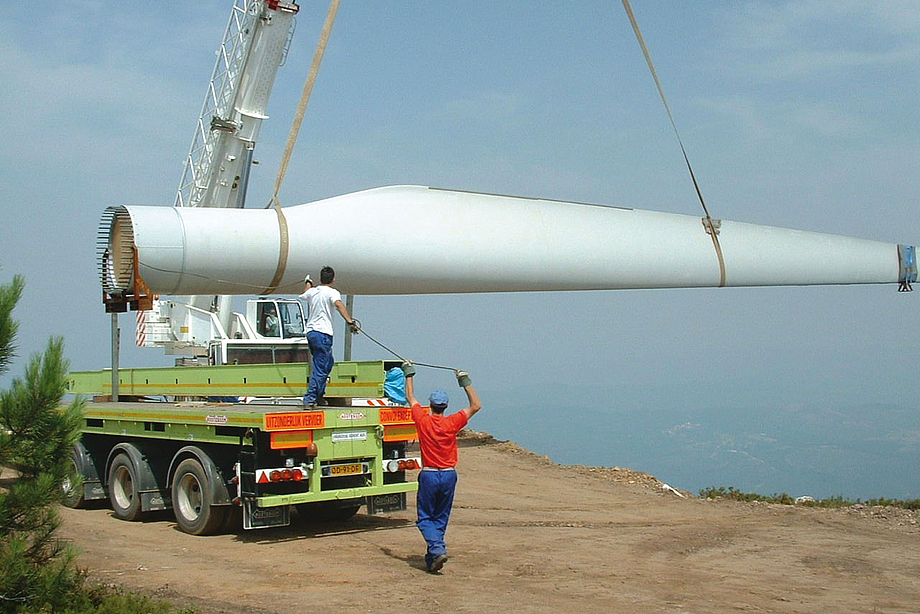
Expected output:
(529, 536)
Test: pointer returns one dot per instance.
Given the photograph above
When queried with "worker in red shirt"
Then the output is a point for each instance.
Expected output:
(437, 436)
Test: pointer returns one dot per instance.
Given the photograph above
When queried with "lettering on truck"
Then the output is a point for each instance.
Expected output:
(295, 421)
(399, 414)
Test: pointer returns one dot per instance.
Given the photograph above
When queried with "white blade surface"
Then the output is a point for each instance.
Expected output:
(419, 240)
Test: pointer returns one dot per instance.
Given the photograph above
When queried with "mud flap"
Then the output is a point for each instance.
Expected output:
(382, 504)
(255, 517)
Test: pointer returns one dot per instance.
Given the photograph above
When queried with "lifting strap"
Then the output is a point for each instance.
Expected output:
(907, 263)
(711, 226)
(292, 138)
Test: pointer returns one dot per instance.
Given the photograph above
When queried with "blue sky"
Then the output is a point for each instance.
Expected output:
(799, 114)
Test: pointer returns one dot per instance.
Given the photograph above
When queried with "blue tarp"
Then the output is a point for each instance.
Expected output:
(395, 386)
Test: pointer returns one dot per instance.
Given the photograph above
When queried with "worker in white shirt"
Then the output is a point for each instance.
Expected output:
(320, 301)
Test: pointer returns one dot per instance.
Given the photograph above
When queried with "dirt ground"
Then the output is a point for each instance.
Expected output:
(529, 536)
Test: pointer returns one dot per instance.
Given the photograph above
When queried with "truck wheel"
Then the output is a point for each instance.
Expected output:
(73, 496)
(126, 502)
(191, 500)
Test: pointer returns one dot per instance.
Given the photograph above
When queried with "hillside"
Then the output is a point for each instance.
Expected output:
(528, 535)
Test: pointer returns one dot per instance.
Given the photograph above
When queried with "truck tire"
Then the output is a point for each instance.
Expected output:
(123, 495)
(73, 495)
(191, 500)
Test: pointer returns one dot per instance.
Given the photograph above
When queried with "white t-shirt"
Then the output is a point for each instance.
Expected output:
(320, 305)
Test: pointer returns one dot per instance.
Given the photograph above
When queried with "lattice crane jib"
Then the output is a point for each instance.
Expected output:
(254, 45)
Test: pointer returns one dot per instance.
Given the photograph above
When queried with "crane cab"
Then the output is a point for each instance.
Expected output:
(273, 318)
(273, 330)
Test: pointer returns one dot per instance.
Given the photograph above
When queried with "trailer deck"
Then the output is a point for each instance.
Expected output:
(177, 441)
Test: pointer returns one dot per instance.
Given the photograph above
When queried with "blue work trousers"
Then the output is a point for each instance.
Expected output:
(434, 500)
(321, 349)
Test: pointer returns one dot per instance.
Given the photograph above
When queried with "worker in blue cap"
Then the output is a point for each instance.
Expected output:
(437, 481)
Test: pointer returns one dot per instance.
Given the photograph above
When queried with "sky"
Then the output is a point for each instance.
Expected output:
(799, 114)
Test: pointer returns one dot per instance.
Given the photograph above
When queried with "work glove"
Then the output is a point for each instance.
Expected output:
(308, 280)
(408, 369)
(463, 378)
(354, 327)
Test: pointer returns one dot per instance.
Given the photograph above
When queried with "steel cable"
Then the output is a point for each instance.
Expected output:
(360, 326)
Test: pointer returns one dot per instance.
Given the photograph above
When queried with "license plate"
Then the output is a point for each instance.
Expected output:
(350, 469)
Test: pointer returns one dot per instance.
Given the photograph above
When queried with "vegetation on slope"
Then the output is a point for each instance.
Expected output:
(37, 568)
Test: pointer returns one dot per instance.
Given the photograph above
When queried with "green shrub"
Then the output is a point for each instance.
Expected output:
(106, 600)
(835, 501)
(37, 570)
(734, 494)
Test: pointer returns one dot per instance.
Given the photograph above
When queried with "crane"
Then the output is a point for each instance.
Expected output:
(253, 47)
(216, 174)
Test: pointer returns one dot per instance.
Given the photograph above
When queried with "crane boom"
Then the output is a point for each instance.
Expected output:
(217, 166)
(253, 47)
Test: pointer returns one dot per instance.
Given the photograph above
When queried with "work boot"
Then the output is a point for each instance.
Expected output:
(437, 563)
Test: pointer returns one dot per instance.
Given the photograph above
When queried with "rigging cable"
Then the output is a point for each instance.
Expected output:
(711, 226)
(360, 326)
(294, 285)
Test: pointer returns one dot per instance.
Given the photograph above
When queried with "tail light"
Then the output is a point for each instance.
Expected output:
(402, 464)
(285, 475)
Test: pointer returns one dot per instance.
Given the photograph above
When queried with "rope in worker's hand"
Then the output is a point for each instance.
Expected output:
(418, 364)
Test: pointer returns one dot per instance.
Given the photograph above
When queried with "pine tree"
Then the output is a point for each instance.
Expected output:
(37, 571)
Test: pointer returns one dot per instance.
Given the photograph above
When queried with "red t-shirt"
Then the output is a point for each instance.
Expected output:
(437, 436)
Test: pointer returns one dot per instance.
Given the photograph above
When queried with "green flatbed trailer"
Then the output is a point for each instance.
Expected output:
(211, 458)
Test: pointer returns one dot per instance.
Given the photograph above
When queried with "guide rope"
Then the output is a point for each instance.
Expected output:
(417, 364)
(259, 287)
